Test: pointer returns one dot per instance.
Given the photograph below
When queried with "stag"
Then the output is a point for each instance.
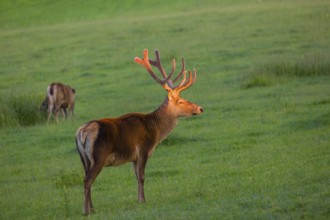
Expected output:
(59, 98)
(133, 137)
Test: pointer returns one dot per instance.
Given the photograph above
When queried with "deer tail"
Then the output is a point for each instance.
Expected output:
(84, 149)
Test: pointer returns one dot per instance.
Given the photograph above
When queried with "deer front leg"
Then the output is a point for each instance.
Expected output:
(139, 167)
(64, 112)
(56, 116)
(50, 111)
(48, 117)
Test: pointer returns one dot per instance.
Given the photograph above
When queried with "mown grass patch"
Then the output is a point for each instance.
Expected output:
(282, 69)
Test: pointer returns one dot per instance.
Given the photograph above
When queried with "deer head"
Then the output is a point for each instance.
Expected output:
(177, 106)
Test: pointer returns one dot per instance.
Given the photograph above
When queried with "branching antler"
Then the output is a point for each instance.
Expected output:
(185, 83)
(145, 62)
(167, 83)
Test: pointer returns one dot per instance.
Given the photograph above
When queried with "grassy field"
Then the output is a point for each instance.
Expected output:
(261, 150)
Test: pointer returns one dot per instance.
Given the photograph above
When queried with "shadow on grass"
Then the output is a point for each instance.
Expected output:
(163, 173)
(177, 140)
(311, 124)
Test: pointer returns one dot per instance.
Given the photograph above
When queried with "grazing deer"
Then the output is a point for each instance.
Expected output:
(44, 107)
(59, 97)
(133, 137)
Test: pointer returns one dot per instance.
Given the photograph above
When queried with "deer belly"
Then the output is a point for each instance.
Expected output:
(115, 159)
(151, 150)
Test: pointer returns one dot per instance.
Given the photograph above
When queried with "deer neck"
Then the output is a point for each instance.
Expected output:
(163, 121)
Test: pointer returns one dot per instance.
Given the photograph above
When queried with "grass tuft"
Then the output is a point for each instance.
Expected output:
(20, 110)
(280, 70)
(65, 179)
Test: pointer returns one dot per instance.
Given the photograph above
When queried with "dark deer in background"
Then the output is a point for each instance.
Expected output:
(134, 136)
(59, 97)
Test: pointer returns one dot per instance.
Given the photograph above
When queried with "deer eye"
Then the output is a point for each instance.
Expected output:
(181, 102)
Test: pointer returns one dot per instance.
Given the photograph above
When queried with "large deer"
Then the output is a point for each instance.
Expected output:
(59, 98)
(133, 137)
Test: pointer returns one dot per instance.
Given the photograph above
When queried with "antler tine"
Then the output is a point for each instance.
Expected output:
(170, 83)
(159, 64)
(173, 67)
(181, 72)
(146, 63)
(161, 69)
(187, 82)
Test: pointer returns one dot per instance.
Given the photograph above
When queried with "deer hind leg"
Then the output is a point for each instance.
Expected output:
(92, 167)
(91, 172)
(83, 143)
(48, 117)
(89, 179)
(139, 167)
(56, 115)
(71, 109)
(57, 110)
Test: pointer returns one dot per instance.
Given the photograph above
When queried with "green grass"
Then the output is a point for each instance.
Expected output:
(260, 150)
(279, 70)
(20, 110)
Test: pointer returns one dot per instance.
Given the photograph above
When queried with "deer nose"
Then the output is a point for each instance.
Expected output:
(198, 110)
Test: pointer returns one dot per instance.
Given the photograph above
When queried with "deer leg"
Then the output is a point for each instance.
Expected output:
(72, 110)
(139, 167)
(56, 115)
(87, 193)
(50, 111)
(64, 112)
(89, 179)
(57, 111)
(48, 118)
